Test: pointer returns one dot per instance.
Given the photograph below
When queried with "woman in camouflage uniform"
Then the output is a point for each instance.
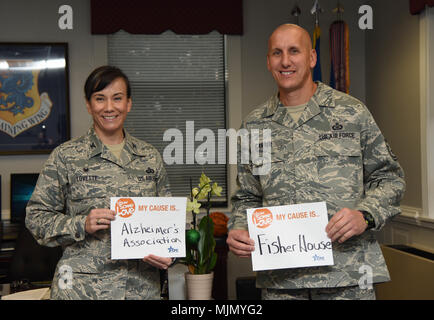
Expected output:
(71, 201)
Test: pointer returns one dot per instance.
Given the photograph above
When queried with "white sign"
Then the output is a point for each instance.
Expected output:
(148, 225)
(290, 236)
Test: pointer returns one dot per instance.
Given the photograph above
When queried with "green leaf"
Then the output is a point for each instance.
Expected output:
(189, 258)
(206, 243)
(202, 258)
(212, 262)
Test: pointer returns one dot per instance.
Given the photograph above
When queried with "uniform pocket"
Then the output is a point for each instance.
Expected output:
(264, 167)
(270, 174)
(85, 262)
(340, 167)
(83, 205)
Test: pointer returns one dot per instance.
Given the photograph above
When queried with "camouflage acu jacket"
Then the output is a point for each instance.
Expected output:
(334, 153)
(80, 175)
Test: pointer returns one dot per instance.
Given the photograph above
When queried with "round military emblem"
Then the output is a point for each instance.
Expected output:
(22, 106)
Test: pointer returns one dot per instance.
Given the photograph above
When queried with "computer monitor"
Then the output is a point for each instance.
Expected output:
(1, 222)
(22, 186)
(1, 194)
(1, 197)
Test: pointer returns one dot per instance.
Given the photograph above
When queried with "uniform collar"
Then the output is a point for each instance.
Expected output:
(95, 144)
(323, 97)
(132, 147)
(96, 147)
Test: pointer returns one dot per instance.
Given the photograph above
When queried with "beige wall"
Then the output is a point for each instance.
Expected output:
(392, 86)
(249, 80)
(393, 91)
(262, 17)
(390, 66)
(37, 21)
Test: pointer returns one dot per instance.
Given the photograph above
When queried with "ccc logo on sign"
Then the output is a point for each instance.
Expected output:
(125, 207)
(262, 218)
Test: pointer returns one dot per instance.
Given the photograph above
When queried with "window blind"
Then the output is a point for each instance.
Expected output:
(174, 79)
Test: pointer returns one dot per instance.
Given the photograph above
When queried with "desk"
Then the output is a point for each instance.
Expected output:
(32, 294)
(20, 286)
(5, 289)
(8, 236)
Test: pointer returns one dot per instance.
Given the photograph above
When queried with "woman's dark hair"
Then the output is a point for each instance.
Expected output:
(101, 77)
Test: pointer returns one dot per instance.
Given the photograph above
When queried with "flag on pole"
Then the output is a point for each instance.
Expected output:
(316, 39)
(317, 76)
(339, 55)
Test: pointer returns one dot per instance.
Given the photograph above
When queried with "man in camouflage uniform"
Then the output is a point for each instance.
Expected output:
(331, 151)
(71, 201)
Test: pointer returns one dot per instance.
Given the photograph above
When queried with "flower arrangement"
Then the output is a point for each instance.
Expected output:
(200, 243)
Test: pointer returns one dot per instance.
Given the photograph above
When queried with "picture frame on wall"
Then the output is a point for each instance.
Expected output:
(34, 97)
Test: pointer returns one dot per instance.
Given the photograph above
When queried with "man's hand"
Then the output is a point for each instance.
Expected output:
(240, 243)
(99, 219)
(345, 224)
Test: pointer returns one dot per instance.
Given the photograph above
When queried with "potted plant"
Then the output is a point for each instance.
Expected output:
(201, 257)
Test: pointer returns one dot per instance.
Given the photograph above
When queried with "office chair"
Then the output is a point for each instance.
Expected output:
(246, 289)
(32, 262)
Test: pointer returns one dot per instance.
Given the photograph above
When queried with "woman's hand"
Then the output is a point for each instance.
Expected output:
(99, 219)
(158, 262)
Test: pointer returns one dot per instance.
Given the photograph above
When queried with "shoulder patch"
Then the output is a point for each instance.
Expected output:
(389, 148)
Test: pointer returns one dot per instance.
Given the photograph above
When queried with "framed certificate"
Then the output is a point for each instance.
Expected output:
(34, 97)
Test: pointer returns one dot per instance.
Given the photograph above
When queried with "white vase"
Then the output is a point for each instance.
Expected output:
(199, 286)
